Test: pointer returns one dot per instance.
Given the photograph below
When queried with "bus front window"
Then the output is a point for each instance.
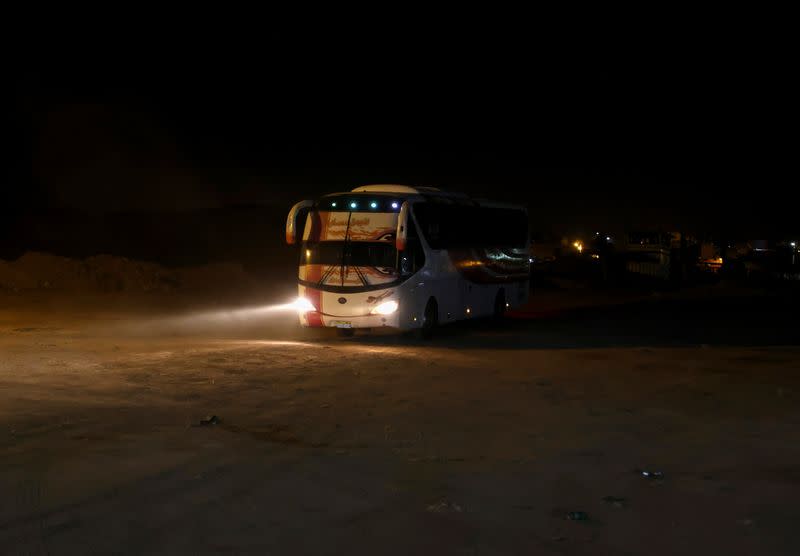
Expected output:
(381, 254)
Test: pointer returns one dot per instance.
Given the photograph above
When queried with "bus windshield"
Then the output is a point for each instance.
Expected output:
(351, 253)
(349, 249)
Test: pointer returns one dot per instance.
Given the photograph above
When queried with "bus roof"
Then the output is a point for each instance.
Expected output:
(409, 191)
(431, 193)
(392, 188)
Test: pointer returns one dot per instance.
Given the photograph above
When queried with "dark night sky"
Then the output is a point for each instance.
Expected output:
(592, 126)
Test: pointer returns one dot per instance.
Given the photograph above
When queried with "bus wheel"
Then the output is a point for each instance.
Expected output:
(499, 306)
(345, 332)
(430, 320)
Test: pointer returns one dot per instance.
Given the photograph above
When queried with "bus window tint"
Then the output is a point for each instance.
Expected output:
(371, 253)
(380, 254)
(413, 258)
(446, 226)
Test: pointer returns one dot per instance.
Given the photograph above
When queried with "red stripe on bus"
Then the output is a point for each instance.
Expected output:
(314, 317)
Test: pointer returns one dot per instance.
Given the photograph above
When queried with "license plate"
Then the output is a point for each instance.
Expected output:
(342, 324)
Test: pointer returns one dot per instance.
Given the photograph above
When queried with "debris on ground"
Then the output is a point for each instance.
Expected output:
(650, 475)
(616, 501)
(208, 421)
(577, 516)
(443, 507)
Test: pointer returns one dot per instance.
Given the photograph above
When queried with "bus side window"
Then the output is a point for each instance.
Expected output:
(413, 258)
(427, 216)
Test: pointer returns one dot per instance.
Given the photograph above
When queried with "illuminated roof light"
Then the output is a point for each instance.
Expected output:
(394, 205)
(353, 204)
(373, 204)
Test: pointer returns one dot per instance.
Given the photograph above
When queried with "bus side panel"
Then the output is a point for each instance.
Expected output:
(447, 287)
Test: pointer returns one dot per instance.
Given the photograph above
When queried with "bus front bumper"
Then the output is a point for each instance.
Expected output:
(315, 319)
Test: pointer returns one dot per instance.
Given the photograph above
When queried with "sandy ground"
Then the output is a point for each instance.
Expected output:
(479, 442)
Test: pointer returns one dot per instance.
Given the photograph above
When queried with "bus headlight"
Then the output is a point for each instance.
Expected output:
(385, 308)
(303, 305)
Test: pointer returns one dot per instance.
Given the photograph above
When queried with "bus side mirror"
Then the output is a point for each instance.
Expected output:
(293, 220)
(402, 228)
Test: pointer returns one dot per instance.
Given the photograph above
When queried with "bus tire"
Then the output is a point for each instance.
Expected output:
(430, 320)
(499, 312)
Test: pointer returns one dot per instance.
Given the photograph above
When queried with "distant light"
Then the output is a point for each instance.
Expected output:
(308, 253)
(508, 305)
(608, 238)
(530, 260)
(579, 246)
(353, 204)
(595, 256)
(597, 233)
(468, 310)
(333, 204)
(373, 204)
(394, 205)
(793, 244)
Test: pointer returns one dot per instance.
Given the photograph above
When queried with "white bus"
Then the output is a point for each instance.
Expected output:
(410, 258)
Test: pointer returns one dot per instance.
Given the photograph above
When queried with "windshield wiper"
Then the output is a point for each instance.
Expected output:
(361, 276)
(326, 274)
(345, 247)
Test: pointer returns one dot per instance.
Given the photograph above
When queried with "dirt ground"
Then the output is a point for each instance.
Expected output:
(479, 442)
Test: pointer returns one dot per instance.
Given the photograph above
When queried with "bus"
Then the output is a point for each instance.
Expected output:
(408, 258)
